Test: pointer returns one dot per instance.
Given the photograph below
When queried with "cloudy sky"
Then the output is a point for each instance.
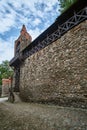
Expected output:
(37, 15)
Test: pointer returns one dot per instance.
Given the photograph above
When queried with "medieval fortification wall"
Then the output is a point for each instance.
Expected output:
(53, 67)
(58, 73)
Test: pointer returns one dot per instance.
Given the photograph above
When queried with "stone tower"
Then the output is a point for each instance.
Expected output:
(23, 40)
(20, 44)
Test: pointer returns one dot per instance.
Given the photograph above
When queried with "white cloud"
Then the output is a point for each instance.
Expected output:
(36, 22)
(6, 20)
(6, 23)
(6, 49)
(19, 11)
(40, 14)
(15, 13)
(35, 32)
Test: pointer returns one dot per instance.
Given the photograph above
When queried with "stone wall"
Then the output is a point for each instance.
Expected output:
(58, 73)
(6, 84)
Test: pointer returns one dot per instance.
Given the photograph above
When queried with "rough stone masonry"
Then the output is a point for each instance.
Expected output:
(58, 73)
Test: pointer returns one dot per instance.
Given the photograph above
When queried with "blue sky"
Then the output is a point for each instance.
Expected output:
(37, 15)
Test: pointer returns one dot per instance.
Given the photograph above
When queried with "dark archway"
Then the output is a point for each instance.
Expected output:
(17, 79)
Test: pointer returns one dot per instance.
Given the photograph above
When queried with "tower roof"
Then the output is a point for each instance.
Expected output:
(23, 30)
(24, 36)
(24, 33)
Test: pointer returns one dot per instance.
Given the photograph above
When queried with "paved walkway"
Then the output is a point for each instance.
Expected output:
(30, 116)
(3, 99)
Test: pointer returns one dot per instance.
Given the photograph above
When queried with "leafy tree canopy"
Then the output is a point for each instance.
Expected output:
(65, 4)
(5, 70)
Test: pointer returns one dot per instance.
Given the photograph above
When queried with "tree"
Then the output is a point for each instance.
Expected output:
(65, 4)
(5, 70)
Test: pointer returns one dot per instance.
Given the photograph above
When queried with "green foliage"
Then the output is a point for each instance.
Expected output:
(5, 70)
(65, 4)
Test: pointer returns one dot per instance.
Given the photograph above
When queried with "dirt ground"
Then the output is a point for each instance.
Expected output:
(31, 116)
